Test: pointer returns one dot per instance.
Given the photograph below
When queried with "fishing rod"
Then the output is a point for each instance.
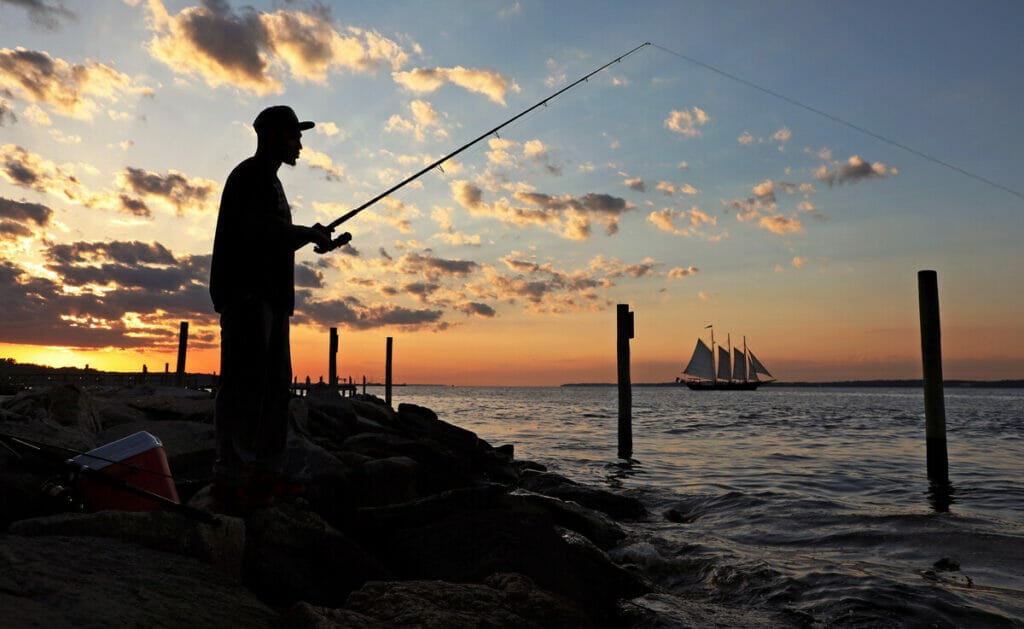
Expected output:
(330, 227)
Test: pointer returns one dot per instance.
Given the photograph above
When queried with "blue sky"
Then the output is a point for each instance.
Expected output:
(693, 197)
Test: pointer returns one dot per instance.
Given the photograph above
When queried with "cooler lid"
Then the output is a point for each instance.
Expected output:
(119, 450)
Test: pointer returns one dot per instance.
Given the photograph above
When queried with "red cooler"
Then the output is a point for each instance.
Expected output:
(138, 460)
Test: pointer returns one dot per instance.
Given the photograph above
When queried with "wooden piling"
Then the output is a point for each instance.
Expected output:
(364, 384)
(179, 374)
(387, 374)
(332, 361)
(931, 358)
(624, 332)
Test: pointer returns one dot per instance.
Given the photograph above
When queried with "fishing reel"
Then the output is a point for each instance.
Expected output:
(340, 241)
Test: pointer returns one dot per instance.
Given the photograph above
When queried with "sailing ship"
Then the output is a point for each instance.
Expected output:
(737, 370)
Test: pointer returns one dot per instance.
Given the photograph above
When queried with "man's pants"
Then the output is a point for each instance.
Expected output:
(251, 411)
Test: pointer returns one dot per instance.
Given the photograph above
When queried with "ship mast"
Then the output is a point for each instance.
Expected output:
(714, 355)
(746, 361)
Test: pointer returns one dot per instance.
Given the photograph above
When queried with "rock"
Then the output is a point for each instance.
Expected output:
(302, 615)
(64, 404)
(93, 582)
(467, 545)
(611, 504)
(387, 481)
(292, 554)
(220, 545)
(591, 524)
(505, 600)
(162, 406)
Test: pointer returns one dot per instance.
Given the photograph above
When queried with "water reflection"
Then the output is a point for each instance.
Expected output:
(940, 496)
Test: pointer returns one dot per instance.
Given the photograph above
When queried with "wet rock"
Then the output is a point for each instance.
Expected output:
(302, 615)
(593, 525)
(220, 544)
(611, 504)
(293, 554)
(93, 582)
(505, 600)
(162, 405)
(468, 544)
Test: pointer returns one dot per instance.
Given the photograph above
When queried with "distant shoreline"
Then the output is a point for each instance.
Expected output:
(877, 384)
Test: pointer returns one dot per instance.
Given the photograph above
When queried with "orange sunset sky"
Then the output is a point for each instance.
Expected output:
(662, 183)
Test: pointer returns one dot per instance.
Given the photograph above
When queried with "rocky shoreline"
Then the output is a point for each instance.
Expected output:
(406, 521)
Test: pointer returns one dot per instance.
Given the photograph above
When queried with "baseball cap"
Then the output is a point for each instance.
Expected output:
(280, 117)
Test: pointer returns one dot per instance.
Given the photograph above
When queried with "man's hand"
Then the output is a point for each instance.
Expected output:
(340, 241)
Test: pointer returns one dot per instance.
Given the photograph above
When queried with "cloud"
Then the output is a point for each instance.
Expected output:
(542, 288)
(23, 212)
(256, 51)
(323, 162)
(327, 128)
(424, 118)
(352, 313)
(780, 224)
(687, 121)
(568, 216)
(6, 113)
(121, 252)
(68, 89)
(679, 273)
(636, 183)
(29, 170)
(119, 294)
(798, 262)
(44, 14)
(855, 169)
(443, 217)
(175, 191)
(478, 309)
(434, 268)
(489, 83)
(690, 223)
(614, 268)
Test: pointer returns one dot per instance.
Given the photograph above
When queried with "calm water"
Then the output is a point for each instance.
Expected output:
(812, 502)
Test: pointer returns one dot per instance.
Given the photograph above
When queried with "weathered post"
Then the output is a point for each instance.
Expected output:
(387, 375)
(364, 384)
(624, 325)
(332, 361)
(179, 377)
(931, 358)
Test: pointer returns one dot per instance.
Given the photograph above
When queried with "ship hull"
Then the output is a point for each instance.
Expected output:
(704, 385)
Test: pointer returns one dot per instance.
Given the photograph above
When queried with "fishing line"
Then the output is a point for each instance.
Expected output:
(465, 146)
(837, 119)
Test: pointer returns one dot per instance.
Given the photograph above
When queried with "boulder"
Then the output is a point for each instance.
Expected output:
(504, 600)
(593, 525)
(292, 554)
(467, 545)
(220, 544)
(93, 582)
(302, 615)
(64, 404)
(611, 504)
(162, 406)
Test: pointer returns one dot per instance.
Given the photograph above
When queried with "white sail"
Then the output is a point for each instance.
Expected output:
(757, 368)
(739, 365)
(702, 363)
(723, 363)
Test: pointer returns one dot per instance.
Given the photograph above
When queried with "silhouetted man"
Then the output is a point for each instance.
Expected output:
(252, 283)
